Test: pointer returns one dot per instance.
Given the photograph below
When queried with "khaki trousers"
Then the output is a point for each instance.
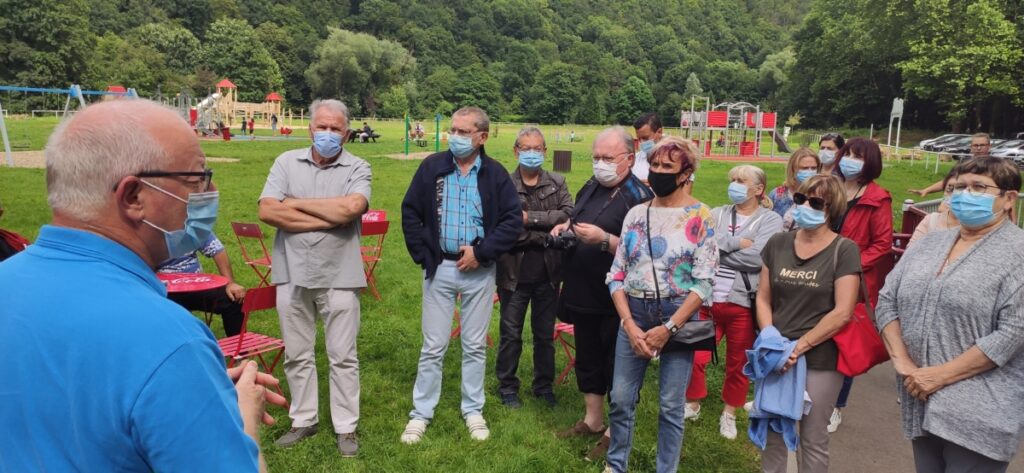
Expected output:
(298, 308)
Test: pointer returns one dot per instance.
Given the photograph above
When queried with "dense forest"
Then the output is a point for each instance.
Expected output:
(818, 62)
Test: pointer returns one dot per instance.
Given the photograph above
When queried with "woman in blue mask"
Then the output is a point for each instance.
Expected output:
(808, 289)
(741, 230)
(868, 222)
(828, 151)
(803, 164)
(952, 319)
(944, 218)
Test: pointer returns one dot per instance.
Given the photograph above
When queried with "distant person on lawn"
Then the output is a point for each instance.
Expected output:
(101, 371)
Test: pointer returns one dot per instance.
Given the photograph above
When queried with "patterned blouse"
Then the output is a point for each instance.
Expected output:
(685, 253)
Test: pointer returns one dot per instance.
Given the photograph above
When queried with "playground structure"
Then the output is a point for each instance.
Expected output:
(735, 123)
(230, 107)
(75, 95)
(211, 115)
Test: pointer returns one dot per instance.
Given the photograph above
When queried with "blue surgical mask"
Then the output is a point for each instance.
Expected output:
(851, 167)
(972, 210)
(461, 146)
(805, 174)
(808, 218)
(531, 159)
(198, 229)
(738, 192)
(327, 143)
(646, 146)
(826, 156)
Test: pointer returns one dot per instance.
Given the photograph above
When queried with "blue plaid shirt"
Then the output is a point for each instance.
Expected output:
(190, 262)
(460, 210)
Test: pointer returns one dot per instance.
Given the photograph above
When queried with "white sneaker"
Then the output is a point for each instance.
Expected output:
(835, 420)
(477, 427)
(414, 431)
(690, 412)
(727, 426)
(748, 406)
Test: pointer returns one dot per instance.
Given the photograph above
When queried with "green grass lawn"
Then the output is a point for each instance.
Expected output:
(389, 342)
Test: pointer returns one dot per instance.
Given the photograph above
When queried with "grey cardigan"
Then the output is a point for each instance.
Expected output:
(977, 300)
(758, 228)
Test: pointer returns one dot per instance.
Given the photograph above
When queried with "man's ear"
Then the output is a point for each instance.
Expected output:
(127, 195)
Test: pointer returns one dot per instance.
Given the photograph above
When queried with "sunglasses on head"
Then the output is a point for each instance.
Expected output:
(817, 203)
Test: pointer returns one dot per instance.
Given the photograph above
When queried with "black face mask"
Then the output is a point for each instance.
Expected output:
(663, 183)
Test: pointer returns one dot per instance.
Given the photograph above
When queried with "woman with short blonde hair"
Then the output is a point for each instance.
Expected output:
(741, 230)
(803, 164)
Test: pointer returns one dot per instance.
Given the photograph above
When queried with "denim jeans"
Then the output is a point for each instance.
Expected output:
(541, 298)
(477, 290)
(628, 378)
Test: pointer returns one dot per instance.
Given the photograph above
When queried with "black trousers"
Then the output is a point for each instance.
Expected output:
(595, 350)
(215, 301)
(541, 299)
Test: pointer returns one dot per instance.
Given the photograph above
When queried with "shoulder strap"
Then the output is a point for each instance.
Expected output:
(863, 284)
(650, 251)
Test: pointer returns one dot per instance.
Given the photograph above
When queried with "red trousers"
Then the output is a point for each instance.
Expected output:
(736, 323)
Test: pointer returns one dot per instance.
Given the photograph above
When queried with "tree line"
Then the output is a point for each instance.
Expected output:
(819, 62)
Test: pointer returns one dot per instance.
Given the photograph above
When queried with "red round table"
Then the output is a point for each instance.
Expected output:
(191, 282)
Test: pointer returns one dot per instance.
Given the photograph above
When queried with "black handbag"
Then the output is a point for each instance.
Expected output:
(693, 335)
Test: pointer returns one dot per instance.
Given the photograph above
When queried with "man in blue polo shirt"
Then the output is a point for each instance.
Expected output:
(101, 371)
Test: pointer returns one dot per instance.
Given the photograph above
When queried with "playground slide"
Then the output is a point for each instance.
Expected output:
(780, 141)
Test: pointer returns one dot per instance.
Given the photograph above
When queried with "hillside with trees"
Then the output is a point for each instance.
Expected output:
(551, 61)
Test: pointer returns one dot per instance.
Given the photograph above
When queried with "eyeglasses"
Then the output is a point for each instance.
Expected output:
(817, 203)
(975, 188)
(200, 184)
(461, 132)
(980, 145)
(610, 159)
(539, 149)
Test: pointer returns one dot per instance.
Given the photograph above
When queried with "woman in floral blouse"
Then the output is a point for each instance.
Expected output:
(661, 275)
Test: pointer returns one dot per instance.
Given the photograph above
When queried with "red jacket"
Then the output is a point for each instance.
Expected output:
(869, 225)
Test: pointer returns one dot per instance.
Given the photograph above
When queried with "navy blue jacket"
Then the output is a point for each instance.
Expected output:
(502, 211)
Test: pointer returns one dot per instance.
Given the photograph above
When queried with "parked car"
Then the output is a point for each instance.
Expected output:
(963, 150)
(925, 143)
(956, 144)
(1014, 152)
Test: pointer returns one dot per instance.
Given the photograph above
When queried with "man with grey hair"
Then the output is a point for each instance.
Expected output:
(101, 371)
(528, 275)
(596, 220)
(315, 197)
(460, 213)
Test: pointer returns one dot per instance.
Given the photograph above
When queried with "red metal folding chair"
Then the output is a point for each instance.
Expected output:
(563, 330)
(260, 265)
(458, 321)
(375, 231)
(249, 344)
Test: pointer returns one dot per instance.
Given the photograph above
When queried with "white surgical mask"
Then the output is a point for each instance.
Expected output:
(606, 173)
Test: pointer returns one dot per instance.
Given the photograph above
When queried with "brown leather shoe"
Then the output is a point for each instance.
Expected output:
(581, 428)
(600, 451)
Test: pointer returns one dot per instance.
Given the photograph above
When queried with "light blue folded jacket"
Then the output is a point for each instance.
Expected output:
(780, 399)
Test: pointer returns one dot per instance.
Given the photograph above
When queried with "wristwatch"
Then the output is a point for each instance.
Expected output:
(606, 241)
(671, 326)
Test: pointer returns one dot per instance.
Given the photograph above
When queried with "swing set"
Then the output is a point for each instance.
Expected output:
(75, 97)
